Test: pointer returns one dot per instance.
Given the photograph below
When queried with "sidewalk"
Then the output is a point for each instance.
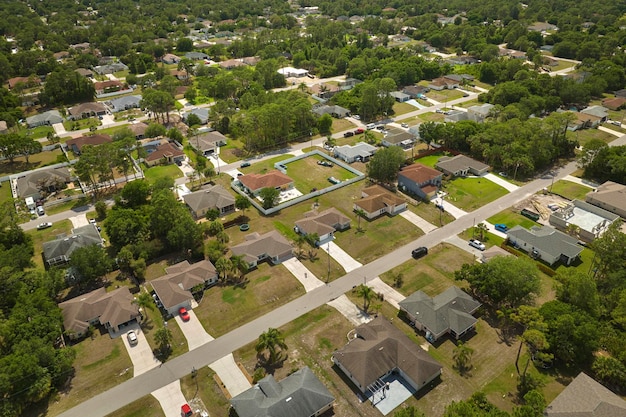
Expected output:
(418, 221)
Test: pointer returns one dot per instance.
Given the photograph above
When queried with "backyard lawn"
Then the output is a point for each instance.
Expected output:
(153, 173)
(307, 174)
(472, 193)
(37, 160)
(5, 192)
(570, 190)
(430, 160)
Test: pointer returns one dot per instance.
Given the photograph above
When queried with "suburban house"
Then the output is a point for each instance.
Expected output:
(616, 103)
(324, 224)
(420, 180)
(584, 121)
(289, 72)
(377, 200)
(213, 197)
(585, 397)
(42, 182)
(232, 63)
(479, 113)
(493, 252)
(125, 103)
(59, 251)
(202, 113)
(254, 183)
(400, 138)
(542, 27)
(174, 288)
(611, 196)
(26, 82)
(337, 112)
(169, 59)
(299, 394)
(165, 153)
(180, 75)
(196, 56)
(380, 349)
(545, 243)
(360, 152)
(399, 96)
(76, 144)
(87, 110)
(461, 166)
(112, 310)
(110, 68)
(207, 142)
(415, 91)
(47, 118)
(447, 313)
(589, 221)
(108, 86)
(443, 83)
(325, 91)
(138, 129)
(597, 111)
(256, 248)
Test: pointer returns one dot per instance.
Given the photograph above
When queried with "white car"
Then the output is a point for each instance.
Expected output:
(477, 244)
(45, 225)
(405, 125)
(132, 338)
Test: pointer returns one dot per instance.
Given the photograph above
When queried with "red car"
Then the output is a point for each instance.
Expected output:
(359, 131)
(182, 312)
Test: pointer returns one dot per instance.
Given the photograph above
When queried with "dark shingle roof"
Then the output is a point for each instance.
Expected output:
(215, 196)
(64, 247)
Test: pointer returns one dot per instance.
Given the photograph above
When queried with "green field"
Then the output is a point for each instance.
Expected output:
(570, 190)
(472, 193)
(170, 171)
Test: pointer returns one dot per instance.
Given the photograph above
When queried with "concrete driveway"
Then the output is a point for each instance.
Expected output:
(194, 332)
(107, 120)
(171, 399)
(306, 278)
(79, 221)
(501, 182)
(339, 255)
(463, 244)
(392, 296)
(141, 354)
(232, 377)
(349, 310)
(418, 221)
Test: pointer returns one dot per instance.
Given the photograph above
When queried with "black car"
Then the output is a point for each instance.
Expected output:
(419, 252)
(348, 134)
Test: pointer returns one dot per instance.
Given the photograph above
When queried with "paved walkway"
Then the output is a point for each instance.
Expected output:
(580, 181)
(501, 182)
(171, 399)
(418, 221)
(339, 255)
(306, 278)
(392, 296)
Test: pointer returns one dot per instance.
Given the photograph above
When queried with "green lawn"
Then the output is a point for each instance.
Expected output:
(35, 161)
(402, 108)
(511, 219)
(570, 190)
(158, 171)
(263, 167)
(307, 174)
(471, 193)
(147, 406)
(5, 192)
(339, 125)
(40, 131)
(445, 95)
(585, 135)
(41, 236)
(430, 160)
(81, 124)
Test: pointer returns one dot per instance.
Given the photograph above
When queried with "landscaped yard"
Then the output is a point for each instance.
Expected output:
(430, 160)
(37, 160)
(585, 135)
(445, 95)
(40, 132)
(570, 190)
(472, 193)
(339, 125)
(147, 406)
(402, 108)
(511, 219)
(170, 171)
(307, 174)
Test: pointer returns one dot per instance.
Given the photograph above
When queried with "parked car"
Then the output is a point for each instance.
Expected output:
(359, 131)
(615, 122)
(45, 225)
(325, 163)
(245, 164)
(370, 126)
(40, 210)
(92, 221)
(419, 252)
(477, 244)
(357, 117)
(348, 134)
(501, 227)
(132, 338)
(184, 314)
(404, 125)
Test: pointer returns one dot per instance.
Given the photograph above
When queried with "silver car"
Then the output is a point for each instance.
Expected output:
(477, 244)
(132, 338)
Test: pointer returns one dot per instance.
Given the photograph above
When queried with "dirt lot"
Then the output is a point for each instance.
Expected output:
(538, 203)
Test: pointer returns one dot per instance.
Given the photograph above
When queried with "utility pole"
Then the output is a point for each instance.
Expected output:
(328, 274)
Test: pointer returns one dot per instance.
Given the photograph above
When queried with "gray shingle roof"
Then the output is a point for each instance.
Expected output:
(547, 239)
(584, 397)
(301, 394)
(271, 244)
(361, 149)
(34, 182)
(215, 196)
(125, 103)
(64, 247)
(325, 222)
(50, 117)
(459, 163)
(173, 288)
(610, 193)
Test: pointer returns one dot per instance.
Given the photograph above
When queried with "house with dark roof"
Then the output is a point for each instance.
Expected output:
(26, 82)
(585, 397)
(545, 243)
(110, 68)
(125, 103)
(165, 153)
(174, 288)
(301, 394)
(461, 166)
(271, 246)
(76, 144)
(337, 112)
(208, 142)
(203, 115)
(47, 118)
(170, 59)
(399, 96)
(420, 180)
(361, 152)
(377, 200)
(44, 181)
(138, 129)
(620, 93)
(597, 111)
(610, 196)
(254, 183)
(232, 63)
(213, 197)
(84, 110)
(196, 56)
(615, 103)
(59, 251)
(112, 310)
(108, 86)
(415, 91)
(324, 224)
(380, 349)
(400, 138)
(479, 113)
(447, 313)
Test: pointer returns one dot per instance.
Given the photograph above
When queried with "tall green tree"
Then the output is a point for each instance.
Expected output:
(269, 196)
(91, 263)
(367, 293)
(272, 341)
(385, 164)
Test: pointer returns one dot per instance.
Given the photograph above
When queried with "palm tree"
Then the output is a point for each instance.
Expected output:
(359, 213)
(144, 301)
(163, 338)
(240, 265)
(300, 241)
(223, 266)
(271, 340)
(462, 356)
(367, 293)
(481, 229)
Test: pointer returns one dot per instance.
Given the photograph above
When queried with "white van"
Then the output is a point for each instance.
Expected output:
(370, 126)
(40, 210)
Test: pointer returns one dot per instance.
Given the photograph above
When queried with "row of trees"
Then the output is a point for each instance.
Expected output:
(602, 162)
(13, 145)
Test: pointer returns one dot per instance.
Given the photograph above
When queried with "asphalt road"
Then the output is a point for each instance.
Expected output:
(144, 384)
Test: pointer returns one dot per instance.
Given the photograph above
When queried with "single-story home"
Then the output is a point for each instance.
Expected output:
(542, 27)
(299, 394)
(257, 248)
(615, 103)
(493, 252)
(415, 91)
(112, 310)
(400, 138)
(207, 142)
(170, 59)
(447, 313)
(203, 115)
(377, 200)
(325, 91)
(232, 63)
(361, 152)
(610, 196)
(324, 224)
(125, 103)
(43, 181)
(254, 183)
(379, 349)
(76, 144)
(110, 68)
(420, 180)
(213, 197)
(138, 129)
(196, 56)
(289, 72)
(585, 397)
(59, 251)
(335, 111)
(180, 75)
(443, 83)
(84, 110)
(399, 96)
(108, 86)
(47, 118)
(87, 73)
(545, 243)
(27, 82)
(461, 166)
(174, 288)
(620, 93)
(166, 153)
(598, 111)
(479, 113)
